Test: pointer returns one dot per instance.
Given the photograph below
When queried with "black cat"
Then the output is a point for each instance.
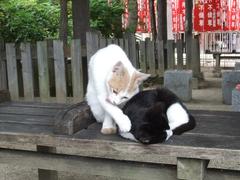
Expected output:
(156, 115)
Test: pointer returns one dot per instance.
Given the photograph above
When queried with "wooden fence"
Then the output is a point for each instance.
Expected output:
(42, 72)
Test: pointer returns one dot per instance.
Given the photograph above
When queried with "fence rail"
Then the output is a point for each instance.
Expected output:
(42, 72)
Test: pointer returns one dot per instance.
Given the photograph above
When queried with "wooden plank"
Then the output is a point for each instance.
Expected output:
(170, 54)
(26, 119)
(133, 50)
(180, 54)
(121, 43)
(126, 44)
(223, 158)
(60, 76)
(4, 96)
(73, 119)
(19, 128)
(12, 71)
(90, 166)
(92, 43)
(142, 57)
(109, 41)
(28, 110)
(191, 169)
(43, 71)
(27, 71)
(102, 42)
(160, 57)
(20, 104)
(77, 70)
(150, 56)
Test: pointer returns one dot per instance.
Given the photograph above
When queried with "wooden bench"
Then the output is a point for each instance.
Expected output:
(59, 137)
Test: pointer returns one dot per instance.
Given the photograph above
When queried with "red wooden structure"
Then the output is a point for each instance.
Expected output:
(208, 15)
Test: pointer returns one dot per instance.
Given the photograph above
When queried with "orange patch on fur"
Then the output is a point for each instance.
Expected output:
(133, 83)
(119, 80)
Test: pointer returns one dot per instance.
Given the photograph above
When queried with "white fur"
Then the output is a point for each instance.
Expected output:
(129, 136)
(176, 115)
(169, 134)
(99, 97)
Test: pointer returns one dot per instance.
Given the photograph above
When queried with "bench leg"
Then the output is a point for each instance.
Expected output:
(44, 174)
(191, 169)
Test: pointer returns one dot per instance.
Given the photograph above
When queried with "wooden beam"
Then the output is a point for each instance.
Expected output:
(191, 169)
(86, 165)
(188, 31)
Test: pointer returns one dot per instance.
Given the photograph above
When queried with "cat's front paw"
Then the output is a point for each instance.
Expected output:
(124, 124)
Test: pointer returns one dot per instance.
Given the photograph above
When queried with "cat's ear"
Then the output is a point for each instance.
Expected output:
(118, 67)
(140, 77)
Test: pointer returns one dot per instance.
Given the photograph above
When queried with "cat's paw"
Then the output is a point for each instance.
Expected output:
(109, 130)
(124, 124)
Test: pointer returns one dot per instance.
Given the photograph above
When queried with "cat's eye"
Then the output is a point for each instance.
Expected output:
(125, 97)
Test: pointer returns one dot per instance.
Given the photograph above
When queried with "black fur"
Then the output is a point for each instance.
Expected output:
(147, 112)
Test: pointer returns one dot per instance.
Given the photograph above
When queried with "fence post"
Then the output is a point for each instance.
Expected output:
(160, 57)
(60, 76)
(170, 54)
(180, 54)
(132, 49)
(150, 56)
(195, 61)
(92, 43)
(142, 57)
(77, 70)
(12, 71)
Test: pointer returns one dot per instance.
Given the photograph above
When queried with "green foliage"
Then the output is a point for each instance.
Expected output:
(28, 20)
(107, 18)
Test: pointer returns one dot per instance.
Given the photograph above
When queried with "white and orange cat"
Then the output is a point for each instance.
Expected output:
(112, 81)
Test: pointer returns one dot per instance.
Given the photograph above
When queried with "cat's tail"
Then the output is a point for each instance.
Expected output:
(191, 124)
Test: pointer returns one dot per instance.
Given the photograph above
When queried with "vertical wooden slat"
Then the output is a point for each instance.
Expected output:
(77, 71)
(3, 72)
(142, 57)
(43, 71)
(121, 43)
(92, 43)
(180, 54)
(160, 57)
(27, 71)
(115, 41)
(109, 41)
(195, 62)
(102, 42)
(59, 66)
(150, 56)
(170, 54)
(132, 49)
(126, 49)
(12, 71)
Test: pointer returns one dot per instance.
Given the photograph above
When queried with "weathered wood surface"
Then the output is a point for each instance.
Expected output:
(73, 119)
(216, 137)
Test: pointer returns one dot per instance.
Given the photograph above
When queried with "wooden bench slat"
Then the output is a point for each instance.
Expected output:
(150, 57)
(26, 128)
(28, 110)
(26, 119)
(34, 104)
